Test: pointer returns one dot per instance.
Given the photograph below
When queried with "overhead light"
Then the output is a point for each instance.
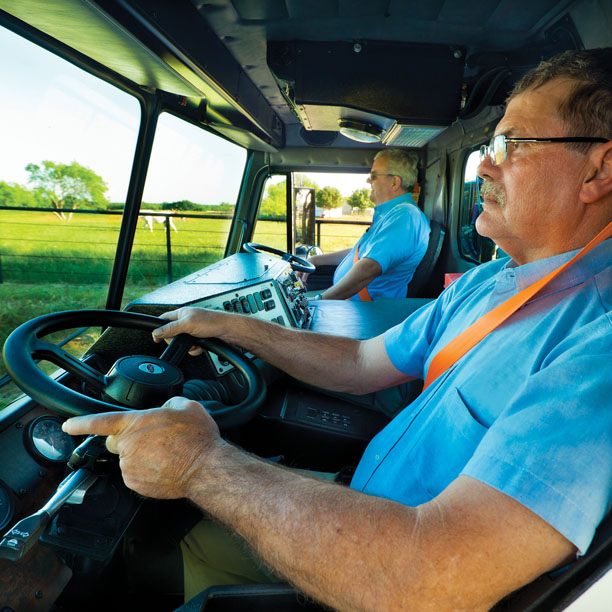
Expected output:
(360, 131)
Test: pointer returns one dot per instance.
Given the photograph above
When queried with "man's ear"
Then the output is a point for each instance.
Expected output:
(599, 183)
(397, 182)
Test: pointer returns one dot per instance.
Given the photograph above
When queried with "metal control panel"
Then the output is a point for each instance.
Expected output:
(254, 284)
(280, 299)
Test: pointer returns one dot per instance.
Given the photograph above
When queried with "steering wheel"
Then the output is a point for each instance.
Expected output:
(297, 263)
(139, 381)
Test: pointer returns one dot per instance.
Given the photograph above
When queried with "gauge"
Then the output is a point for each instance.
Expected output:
(6, 507)
(47, 442)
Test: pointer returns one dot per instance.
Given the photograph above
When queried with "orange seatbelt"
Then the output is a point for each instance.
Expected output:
(468, 338)
(363, 294)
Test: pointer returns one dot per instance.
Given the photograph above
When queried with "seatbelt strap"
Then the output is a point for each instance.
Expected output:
(459, 346)
(363, 293)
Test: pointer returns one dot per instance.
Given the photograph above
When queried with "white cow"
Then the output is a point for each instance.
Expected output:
(153, 216)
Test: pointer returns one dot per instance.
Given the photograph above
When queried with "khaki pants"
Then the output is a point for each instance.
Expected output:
(212, 555)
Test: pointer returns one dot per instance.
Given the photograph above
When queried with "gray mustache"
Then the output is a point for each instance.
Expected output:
(494, 191)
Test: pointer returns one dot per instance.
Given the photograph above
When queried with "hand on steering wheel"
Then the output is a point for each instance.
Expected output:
(132, 382)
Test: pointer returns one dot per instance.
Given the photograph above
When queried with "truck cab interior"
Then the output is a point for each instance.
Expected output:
(318, 86)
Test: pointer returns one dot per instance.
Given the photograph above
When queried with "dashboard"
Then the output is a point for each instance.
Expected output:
(247, 283)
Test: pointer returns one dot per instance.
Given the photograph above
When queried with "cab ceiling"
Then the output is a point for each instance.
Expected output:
(487, 29)
(216, 53)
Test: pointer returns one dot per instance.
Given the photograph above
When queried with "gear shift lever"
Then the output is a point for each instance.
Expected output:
(89, 460)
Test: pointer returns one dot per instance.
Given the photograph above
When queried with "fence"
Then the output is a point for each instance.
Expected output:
(35, 245)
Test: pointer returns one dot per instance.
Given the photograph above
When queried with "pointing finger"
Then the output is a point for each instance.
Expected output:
(106, 424)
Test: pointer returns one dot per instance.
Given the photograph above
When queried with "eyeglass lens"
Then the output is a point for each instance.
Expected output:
(496, 150)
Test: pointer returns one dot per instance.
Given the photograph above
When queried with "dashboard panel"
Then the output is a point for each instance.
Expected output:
(247, 283)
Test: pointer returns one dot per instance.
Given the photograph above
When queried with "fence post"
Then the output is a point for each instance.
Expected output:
(168, 248)
(318, 224)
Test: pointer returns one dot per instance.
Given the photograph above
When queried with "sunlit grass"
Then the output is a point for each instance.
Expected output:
(22, 302)
(47, 265)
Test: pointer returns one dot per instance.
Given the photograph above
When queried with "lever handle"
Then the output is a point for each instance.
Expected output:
(91, 455)
(18, 540)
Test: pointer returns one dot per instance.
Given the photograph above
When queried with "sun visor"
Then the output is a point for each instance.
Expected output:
(409, 91)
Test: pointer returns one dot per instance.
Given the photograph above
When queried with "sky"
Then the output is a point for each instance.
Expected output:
(52, 110)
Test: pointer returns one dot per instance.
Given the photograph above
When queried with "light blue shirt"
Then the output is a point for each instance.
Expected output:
(527, 411)
(397, 240)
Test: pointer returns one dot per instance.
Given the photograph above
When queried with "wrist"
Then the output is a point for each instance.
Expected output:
(207, 470)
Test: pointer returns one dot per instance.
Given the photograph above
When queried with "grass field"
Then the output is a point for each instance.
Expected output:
(47, 265)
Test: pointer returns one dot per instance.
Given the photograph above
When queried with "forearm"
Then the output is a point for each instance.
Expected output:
(301, 354)
(330, 541)
(329, 259)
(358, 277)
(360, 552)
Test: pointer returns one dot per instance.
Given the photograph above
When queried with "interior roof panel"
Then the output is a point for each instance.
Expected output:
(245, 26)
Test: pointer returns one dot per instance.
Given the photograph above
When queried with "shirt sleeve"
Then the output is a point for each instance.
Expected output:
(550, 449)
(407, 344)
(397, 237)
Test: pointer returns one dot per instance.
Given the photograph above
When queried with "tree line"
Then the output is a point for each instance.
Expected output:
(66, 187)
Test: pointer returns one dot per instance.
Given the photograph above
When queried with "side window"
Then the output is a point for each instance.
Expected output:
(329, 210)
(471, 244)
(188, 203)
(343, 211)
(271, 226)
(68, 145)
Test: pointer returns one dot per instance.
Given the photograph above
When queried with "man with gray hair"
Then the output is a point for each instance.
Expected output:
(500, 470)
(384, 259)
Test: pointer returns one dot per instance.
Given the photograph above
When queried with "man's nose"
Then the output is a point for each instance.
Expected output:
(485, 168)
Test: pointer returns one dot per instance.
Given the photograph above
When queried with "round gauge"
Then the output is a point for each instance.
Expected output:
(47, 442)
(6, 507)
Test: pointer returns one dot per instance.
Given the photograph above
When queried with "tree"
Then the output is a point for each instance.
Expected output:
(360, 199)
(301, 180)
(274, 203)
(68, 186)
(329, 197)
(181, 205)
(12, 194)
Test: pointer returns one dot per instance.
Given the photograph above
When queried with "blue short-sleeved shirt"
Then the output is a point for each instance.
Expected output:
(397, 240)
(527, 411)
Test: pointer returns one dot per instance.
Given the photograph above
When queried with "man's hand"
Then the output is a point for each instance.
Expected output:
(197, 322)
(160, 449)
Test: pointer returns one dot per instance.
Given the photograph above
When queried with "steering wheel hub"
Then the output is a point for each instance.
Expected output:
(142, 381)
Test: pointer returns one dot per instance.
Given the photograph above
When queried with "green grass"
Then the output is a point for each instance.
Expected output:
(47, 265)
(37, 247)
(22, 302)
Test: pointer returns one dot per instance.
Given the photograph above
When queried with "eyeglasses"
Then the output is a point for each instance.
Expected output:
(374, 175)
(497, 149)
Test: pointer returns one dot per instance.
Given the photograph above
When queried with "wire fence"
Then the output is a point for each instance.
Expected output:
(36, 245)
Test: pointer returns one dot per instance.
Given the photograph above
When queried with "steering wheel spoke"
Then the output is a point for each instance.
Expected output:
(48, 351)
(177, 349)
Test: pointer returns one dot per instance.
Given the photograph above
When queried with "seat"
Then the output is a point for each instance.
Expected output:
(252, 598)
(424, 270)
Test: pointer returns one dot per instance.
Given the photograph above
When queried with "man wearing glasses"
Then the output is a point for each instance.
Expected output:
(500, 470)
(384, 259)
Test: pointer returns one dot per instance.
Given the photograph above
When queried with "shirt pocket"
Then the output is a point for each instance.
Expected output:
(449, 437)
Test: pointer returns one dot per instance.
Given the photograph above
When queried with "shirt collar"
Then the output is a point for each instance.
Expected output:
(385, 207)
